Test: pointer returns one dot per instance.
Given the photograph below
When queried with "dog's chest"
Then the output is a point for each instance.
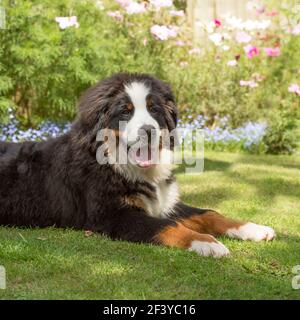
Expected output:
(163, 201)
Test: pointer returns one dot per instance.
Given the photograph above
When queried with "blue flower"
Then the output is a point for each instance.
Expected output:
(247, 136)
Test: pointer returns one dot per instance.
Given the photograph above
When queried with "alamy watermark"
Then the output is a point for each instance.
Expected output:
(2, 17)
(148, 148)
(296, 278)
(2, 278)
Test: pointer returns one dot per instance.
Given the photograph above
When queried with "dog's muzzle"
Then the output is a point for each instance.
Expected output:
(144, 153)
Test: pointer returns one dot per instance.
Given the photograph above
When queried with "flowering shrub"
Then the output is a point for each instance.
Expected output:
(242, 68)
(66, 22)
(294, 88)
(12, 131)
(53, 50)
(248, 137)
(248, 71)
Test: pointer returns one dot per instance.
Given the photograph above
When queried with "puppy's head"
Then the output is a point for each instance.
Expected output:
(137, 108)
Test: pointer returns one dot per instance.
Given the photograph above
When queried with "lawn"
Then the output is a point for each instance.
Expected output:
(58, 264)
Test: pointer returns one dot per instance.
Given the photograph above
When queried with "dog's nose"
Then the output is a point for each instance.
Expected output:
(146, 132)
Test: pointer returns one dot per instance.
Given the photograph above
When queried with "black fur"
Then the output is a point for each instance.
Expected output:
(59, 182)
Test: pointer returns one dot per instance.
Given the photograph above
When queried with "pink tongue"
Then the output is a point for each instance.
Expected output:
(144, 164)
(143, 158)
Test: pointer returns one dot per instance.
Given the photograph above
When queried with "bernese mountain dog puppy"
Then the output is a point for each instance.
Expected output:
(61, 183)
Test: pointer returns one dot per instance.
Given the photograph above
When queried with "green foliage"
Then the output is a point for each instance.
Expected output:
(281, 135)
(43, 69)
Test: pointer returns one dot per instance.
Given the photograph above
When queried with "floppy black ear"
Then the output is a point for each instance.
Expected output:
(172, 114)
(170, 106)
(93, 106)
(92, 115)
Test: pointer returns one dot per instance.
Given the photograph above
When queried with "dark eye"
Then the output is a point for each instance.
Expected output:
(126, 111)
(154, 109)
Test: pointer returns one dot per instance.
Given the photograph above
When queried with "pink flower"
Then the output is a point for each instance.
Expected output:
(251, 51)
(260, 10)
(272, 52)
(180, 43)
(163, 32)
(124, 3)
(115, 14)
(232, 63)
(217, 23)
(242, 37)
(145, 41)
(272, 13)
(296, 29)
(252, 84)
(177, 13)
(161, 3)
(66, 22)
(195, 51)
(294, 88)
(132, 7)
(249, 83)
(135, 8)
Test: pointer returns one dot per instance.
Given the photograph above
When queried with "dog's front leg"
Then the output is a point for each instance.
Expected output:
(132, 224)
(211, 222)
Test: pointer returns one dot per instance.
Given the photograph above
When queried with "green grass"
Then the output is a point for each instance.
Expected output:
(57, 264)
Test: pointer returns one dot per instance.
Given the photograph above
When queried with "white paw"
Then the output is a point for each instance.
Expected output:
(215, 249)
(252, 231)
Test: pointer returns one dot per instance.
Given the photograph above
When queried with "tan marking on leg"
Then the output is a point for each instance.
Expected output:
(181, 237)
(210, 222)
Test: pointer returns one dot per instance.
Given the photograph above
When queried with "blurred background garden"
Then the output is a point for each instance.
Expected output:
(234, 65)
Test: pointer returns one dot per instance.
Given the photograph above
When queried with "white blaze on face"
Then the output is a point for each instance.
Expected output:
(138, 92)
